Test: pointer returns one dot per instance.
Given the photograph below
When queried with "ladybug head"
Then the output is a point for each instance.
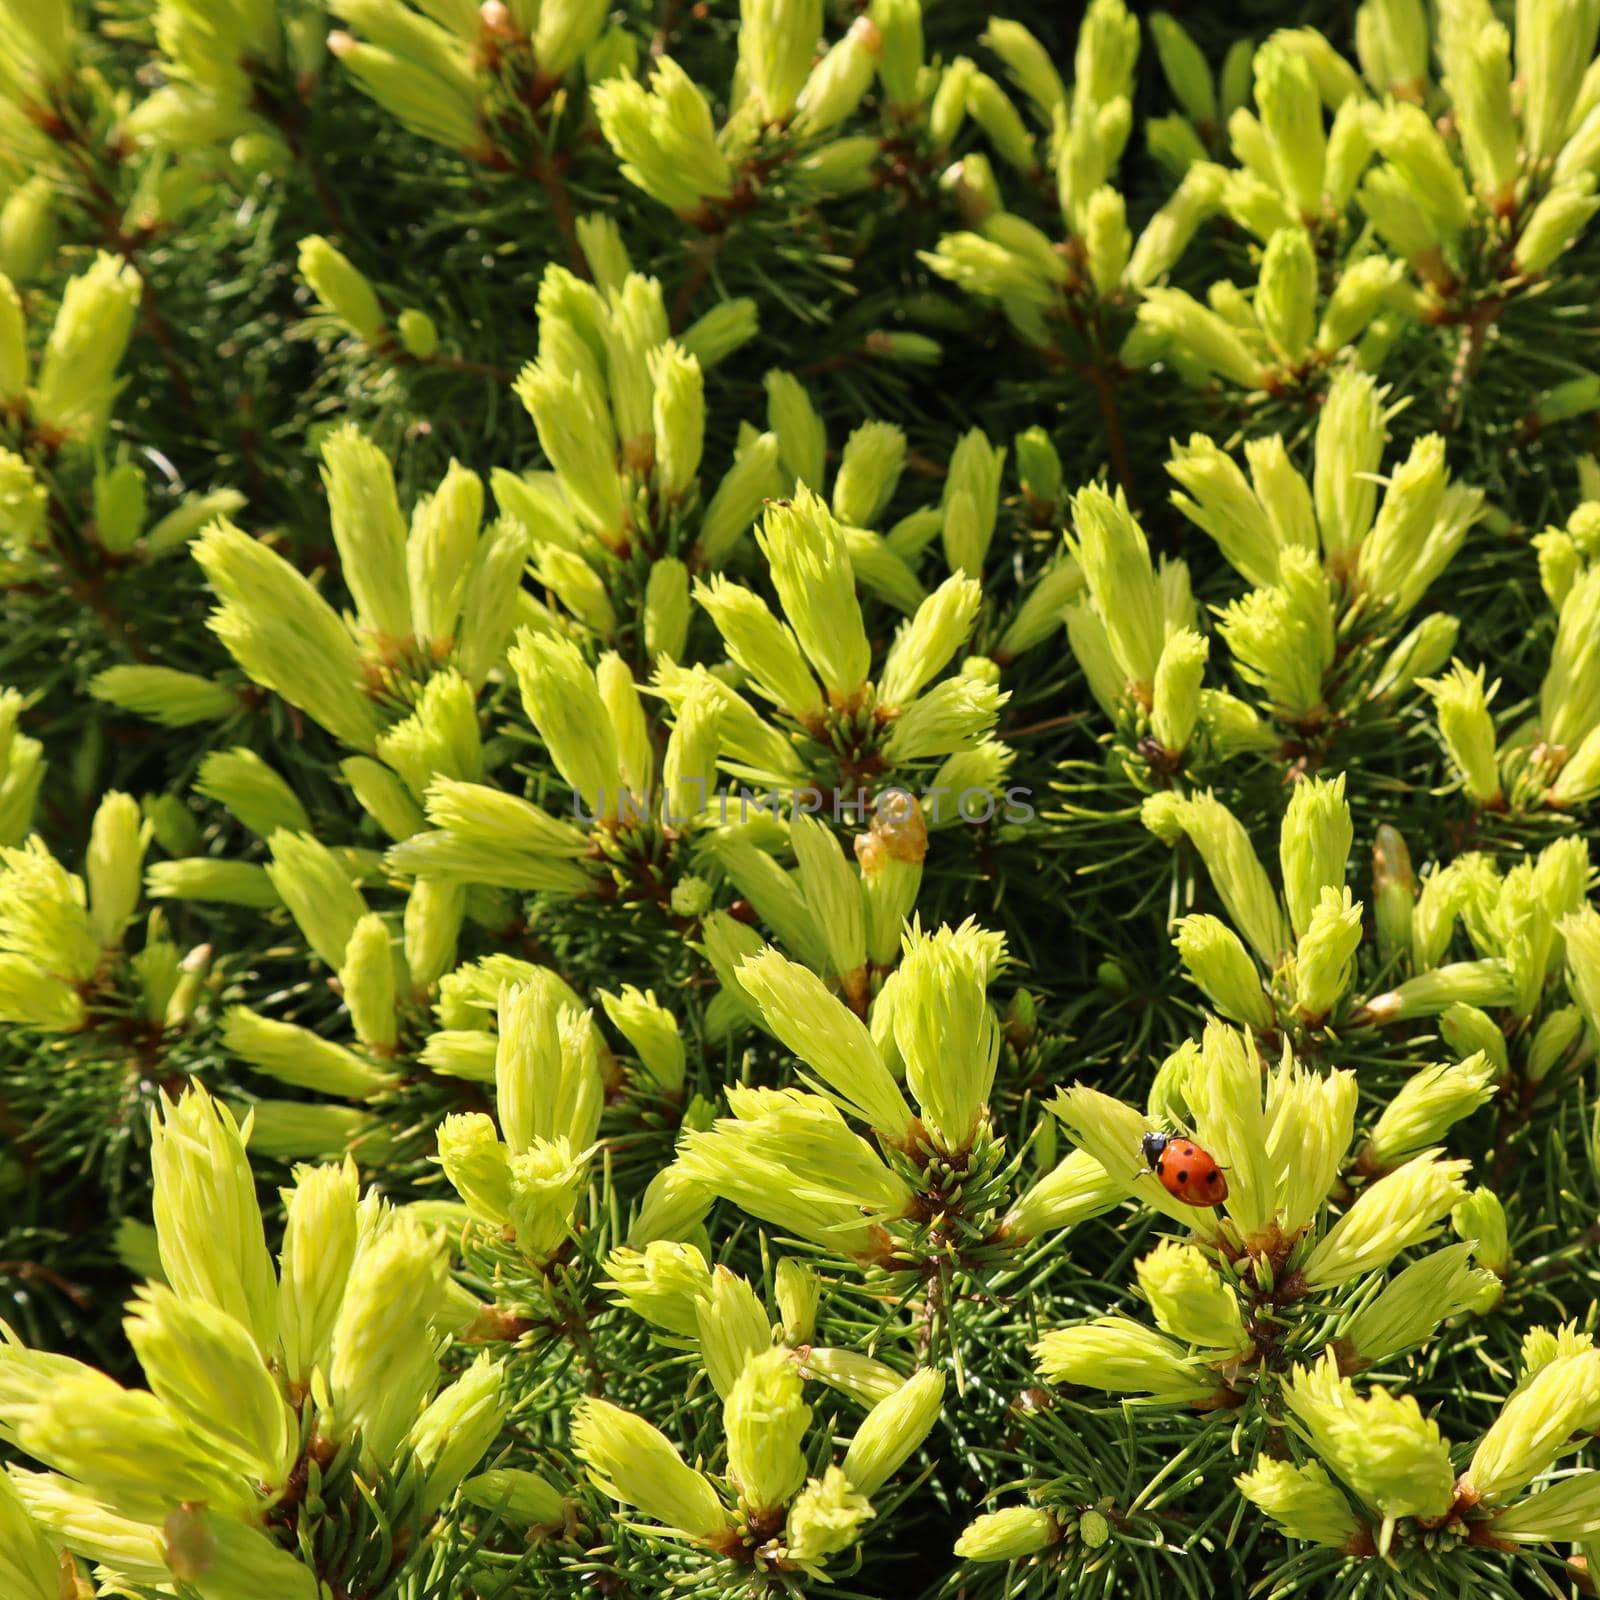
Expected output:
(1152, 1146)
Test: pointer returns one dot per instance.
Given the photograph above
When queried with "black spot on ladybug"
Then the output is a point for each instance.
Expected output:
(1213, 1177)
(1183, 1177)
(1161, 1164)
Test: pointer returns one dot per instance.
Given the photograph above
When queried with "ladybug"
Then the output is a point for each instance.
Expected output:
(1185, 1170)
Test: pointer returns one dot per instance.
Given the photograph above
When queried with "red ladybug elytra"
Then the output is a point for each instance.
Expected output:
(1186, 1172)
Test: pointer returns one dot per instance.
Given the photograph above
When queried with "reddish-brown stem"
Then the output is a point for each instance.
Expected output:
(446, 363)
(1469, 356)
(815, 369)
(290, 119)
(1049, 725)
(665, 29)
(85, 583)
(1105, 394)
(108, 215)
(26, 1270)
(704, 252)
(548, 173)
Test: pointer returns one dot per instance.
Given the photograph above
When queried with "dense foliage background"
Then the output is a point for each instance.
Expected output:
(450, 454)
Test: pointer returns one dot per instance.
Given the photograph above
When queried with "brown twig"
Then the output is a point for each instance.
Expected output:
(26, 1271)
(704, 252)
(548, 172)
(85, 583)
(834, 363)
(932, 1308)
(447, 363)
(107, 214)
(1469, 357)
(327, 197)
(665, 29)
(1049, 725)
(1105, 394)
